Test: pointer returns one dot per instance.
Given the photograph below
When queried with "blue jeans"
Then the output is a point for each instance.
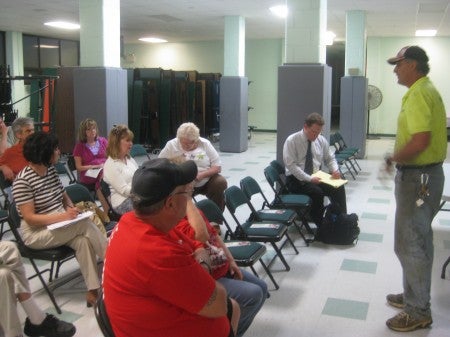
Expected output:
(414, 235)
(250, 293)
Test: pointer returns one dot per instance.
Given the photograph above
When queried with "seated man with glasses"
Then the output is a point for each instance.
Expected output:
(155, 279)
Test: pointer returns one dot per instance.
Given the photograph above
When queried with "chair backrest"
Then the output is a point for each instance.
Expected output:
(4, 186)
(101, 316)
(213, 213)
(106, 191)
(276, 183)
(234, 197)
(138, 150)
(14, 223)
(78, 192)
(250, 187)
(63, 169)
(278, 166)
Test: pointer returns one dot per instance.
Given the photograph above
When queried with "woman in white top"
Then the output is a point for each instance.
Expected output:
(119, 168)
(193, 147)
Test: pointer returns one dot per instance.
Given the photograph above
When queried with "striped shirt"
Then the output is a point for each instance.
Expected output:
(45, 192)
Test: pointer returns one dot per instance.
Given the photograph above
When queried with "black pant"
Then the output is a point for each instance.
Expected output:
(317, 192)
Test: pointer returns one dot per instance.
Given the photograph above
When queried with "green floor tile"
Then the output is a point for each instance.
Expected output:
(359, 266)
(237, 169)
(346, 308)
(374, 216)
(252, 163)
(379, 201)
(371, 237)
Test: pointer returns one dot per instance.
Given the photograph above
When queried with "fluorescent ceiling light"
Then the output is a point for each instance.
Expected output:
(426, 32)
(329, 38)
(280, 11)
(152, 40)
(63, 25)
(46, 46)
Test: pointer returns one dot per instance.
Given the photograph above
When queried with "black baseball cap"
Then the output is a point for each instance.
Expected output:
(157, 178)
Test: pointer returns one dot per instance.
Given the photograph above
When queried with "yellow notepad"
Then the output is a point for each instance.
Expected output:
(327, 179)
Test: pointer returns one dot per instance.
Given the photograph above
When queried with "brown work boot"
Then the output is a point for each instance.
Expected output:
(396, 300)
(404, 322)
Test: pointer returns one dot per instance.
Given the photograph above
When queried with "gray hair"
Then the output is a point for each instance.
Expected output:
(143, 208)
(20, 122)
(188, 131)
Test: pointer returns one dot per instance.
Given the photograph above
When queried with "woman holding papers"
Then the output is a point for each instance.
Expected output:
(41, 201)
(90, 155)
(119, 168)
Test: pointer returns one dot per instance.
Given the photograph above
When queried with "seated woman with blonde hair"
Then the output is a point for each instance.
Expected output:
(193, 147)
(119, 168)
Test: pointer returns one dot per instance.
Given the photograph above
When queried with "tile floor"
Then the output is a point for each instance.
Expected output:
(330, 290)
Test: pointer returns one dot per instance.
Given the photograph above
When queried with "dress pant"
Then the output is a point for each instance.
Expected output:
(213, 189)
(83, 237)
(13, 280)
(317, 192)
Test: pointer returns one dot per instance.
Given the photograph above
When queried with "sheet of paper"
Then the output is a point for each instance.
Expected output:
(264, 225)
(93, 173)
(326, 179)
(60, 224)
(237, 243)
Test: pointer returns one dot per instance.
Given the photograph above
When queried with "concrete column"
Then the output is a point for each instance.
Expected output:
(305, 30)
(100, 33)
(355, 43)
(234, 46)
(14, 58)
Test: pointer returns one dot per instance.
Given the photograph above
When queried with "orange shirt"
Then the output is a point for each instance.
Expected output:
(13, 158)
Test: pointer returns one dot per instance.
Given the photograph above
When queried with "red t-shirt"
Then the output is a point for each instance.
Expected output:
(153, 286)
(13, 158)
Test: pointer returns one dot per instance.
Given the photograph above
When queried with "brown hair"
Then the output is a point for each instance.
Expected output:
(85, 125)
(116, 134)
(314, 118)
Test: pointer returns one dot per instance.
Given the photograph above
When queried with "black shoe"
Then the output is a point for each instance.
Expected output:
(50, 327)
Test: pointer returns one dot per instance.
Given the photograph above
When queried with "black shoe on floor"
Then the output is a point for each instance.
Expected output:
(50, 327)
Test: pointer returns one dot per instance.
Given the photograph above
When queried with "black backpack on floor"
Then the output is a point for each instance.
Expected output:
(338, 228)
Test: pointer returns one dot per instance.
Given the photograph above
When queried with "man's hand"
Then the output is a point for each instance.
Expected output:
(315, 180)
(336, 175)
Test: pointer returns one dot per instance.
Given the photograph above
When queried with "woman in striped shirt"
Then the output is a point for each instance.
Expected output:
(41, 200)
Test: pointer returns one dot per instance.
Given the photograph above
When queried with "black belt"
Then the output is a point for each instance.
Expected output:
(416, 167)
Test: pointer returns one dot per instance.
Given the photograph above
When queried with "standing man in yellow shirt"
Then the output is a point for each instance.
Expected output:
(420, 148)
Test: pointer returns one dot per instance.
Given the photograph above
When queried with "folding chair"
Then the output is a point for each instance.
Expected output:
(250, 187)
(56, 256)
(101, 316)
(63, 169)
(5, 188)
(78, 192)
(343, 151)
(113, 215)
(245, 253)
(301, 203)
(255, 230)
(138, 150)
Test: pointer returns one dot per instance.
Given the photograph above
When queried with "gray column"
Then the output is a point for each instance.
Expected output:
(355, 43)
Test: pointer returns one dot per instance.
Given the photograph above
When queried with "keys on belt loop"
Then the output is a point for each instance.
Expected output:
(423, 192)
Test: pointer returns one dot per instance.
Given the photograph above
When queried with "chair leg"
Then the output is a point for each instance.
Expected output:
(288, 238)
(444, 267)
(254, 271)
(269, 273)
(47, 289)
(280, 255)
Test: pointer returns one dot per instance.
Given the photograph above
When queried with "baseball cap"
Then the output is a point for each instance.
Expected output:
(411, 53)
(157, 178)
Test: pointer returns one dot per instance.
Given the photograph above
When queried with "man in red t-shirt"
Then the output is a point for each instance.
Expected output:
(12, 161)
(155, 278)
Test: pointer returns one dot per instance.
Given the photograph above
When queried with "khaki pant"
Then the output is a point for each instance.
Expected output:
(83, 237)
(13, 280)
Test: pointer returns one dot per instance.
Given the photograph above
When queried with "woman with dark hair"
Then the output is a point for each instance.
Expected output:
(89, 153)
(41, 200)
